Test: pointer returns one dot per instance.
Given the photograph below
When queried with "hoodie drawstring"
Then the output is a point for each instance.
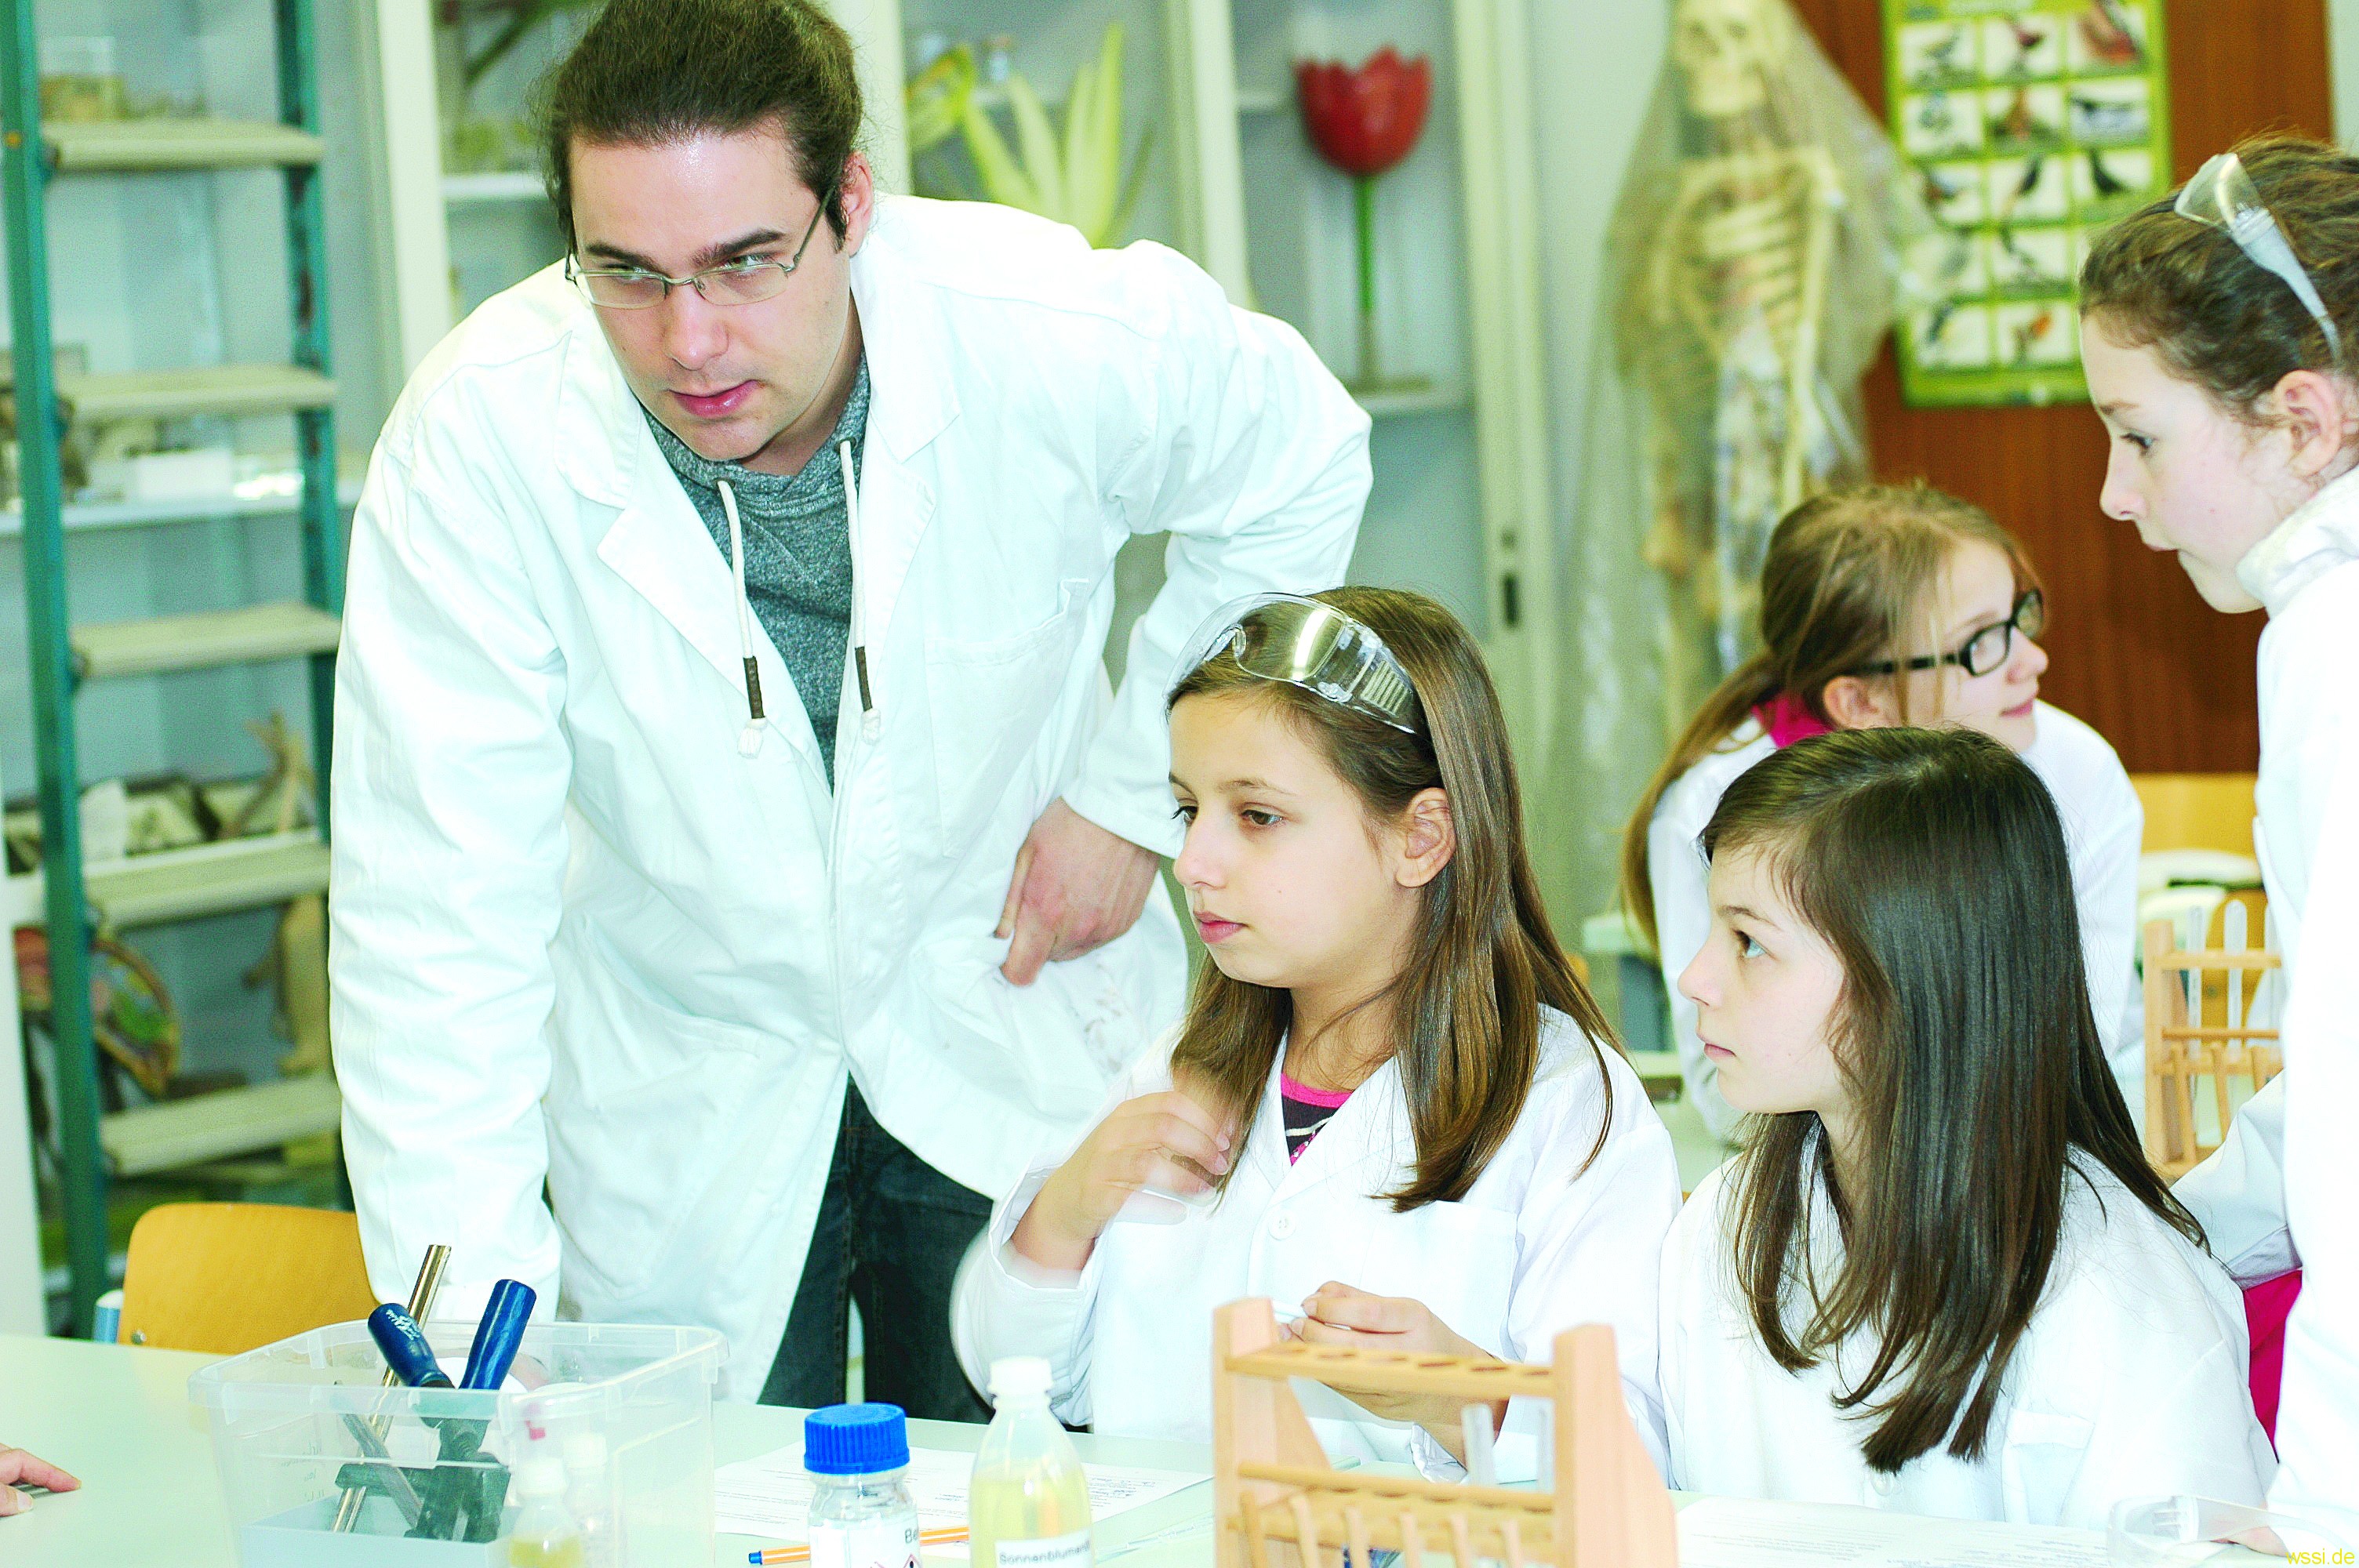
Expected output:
(749, 740)
(870, 723)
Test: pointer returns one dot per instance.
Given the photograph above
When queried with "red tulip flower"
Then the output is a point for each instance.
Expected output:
(1364, 121)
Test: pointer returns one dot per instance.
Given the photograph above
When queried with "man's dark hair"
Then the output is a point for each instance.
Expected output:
(650, 72)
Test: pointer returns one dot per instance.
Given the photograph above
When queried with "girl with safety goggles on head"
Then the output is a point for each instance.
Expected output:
(1892, 605)
(1391, 1100)
(2218, 330)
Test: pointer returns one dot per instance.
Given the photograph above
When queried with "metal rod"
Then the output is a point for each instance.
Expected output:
(421, 1303)
(23, 177)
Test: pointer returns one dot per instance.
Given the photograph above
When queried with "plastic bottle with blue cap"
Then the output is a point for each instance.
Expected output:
(862, 1515)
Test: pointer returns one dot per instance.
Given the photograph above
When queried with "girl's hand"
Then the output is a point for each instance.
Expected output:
(1166, 1140)
(1342, 1314)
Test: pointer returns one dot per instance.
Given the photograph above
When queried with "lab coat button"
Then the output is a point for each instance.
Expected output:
(1281, 1225)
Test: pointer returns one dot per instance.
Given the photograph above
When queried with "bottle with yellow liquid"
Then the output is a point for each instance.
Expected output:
(1028, 1503)
(544, 1534)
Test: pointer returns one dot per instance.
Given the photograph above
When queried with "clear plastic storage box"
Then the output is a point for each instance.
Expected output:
(294, 1425)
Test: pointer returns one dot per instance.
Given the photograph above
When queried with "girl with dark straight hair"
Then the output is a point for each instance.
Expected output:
(1941, 1278)
(1392, 1100)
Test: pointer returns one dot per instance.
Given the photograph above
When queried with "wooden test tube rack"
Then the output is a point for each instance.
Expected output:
(1279, 1504)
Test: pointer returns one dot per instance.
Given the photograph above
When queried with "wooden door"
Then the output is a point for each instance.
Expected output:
(2166, 679)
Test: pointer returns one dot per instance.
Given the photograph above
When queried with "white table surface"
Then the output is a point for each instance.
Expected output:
(119, 1418)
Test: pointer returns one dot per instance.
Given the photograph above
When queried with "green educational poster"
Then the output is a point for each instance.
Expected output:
(2034, 123)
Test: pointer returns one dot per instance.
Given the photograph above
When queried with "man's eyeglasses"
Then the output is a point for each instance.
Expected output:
(745, 280)
(1984, 652)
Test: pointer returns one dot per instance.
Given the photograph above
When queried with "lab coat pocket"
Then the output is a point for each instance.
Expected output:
(2044, 1453)
(988, 701)
(655, 1120)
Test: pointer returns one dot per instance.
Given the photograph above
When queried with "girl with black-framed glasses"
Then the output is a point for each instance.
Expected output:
(1887, 605)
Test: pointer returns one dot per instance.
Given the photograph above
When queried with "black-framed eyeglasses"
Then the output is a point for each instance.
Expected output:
(1984, 652)
(743, 280)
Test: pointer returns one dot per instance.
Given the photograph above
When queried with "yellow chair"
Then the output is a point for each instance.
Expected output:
(2203, 1028)
(2196, 811)
(228, 1277)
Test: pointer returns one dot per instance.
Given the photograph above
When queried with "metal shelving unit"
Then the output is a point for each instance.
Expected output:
(211, 877)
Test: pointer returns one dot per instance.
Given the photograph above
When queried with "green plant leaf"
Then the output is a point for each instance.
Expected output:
(1080, 174)
(1039, 142)
(937, 98)
(1131, 187)
(1109, 134)
(1003, 180)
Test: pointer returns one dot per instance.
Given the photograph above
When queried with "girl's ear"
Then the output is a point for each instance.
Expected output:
(2318, 418)
(1855, 702)
(1429, 839)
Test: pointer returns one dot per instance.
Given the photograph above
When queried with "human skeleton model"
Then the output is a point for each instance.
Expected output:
(1733, 293)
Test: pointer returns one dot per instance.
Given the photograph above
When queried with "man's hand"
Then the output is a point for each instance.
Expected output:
(1340, 1315)
(16, 1466)
(1076, 887)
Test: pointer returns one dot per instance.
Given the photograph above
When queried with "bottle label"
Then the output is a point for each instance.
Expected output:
(1046, 1551)
(880, 1544)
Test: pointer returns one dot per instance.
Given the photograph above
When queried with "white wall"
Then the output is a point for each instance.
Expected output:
(1594, 64)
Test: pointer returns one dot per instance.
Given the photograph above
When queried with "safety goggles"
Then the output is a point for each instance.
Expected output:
(1985, 650)
(1286, 637)
(2222, 196)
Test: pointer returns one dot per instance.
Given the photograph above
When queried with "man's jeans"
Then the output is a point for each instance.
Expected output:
(891, 1232)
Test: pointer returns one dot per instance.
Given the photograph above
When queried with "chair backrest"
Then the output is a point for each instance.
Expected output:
(228, 1277)
(2211, 1030)
(2196, 811)
(1276, 1500)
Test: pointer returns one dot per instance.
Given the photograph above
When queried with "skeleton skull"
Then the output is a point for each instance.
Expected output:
(1725, 49)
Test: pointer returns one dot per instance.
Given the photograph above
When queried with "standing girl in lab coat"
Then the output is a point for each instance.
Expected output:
(1941, 1278)
(1391, 1101)
(1891, 604)
(2218, 334)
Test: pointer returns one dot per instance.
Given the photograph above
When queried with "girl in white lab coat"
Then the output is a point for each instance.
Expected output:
(1391, 1102)
(1941, 1278)
(2221, 362)
(1881, 605)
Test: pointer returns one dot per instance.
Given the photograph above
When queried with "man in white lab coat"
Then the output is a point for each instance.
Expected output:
(722, 742)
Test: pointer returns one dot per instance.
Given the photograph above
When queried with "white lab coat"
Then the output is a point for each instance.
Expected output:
(580, 937)
(1537, 1246)
(2278, 1191)
(2306, 576)
(2128, 1383)
(2103, 825)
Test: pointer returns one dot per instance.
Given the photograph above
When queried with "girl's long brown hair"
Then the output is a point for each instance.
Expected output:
(1846, 582)
(1465, 1007)
(1932, 863)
